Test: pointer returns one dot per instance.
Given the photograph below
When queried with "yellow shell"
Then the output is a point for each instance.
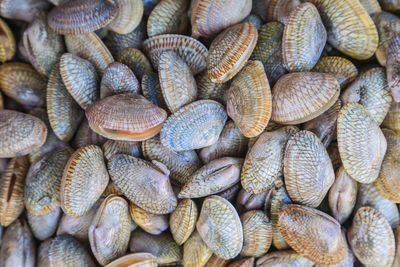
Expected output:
(183, 220)
(140, 259)
(195, 251)
(7, 42)
(128, 17)
(154, 224)
(371, 6)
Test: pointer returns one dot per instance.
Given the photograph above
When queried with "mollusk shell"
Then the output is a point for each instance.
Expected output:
(24, 10)
(195, 251)
(280, 10)
(128, 17)
(183, 220)
(392, 67)
(112, 147)
(151, 90)
(283, 258)
(388, 25)
(7, 44)
(44, 226)
(206, 89)
(140, 259)
(136, 61)
(154, 224)
(392, 119)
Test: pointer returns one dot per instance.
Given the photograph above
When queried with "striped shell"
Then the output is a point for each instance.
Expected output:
(220, 227)
(388, 26)
(154, 224)
(371, 6)
(217, 261)
(139, 259)
(392, 67)
(249, 100)
(195, 251)
(230, 50)
(44, 226)
(84, 179)
(280, 10)
(300, 97)
(151, 90)
(283, 258)
(206, 89)
(128, 17)
(85, 136)
(304, 38)
(7, 43)
(396, 262)
(361, 143)
(136, 61)
(183, 220)
(392, 119)
(112, 147)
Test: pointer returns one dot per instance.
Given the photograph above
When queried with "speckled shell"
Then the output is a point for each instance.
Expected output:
(127, 117)
(63, 250)
(43, 181)
(230, 50)
(206, 89)
(112, 147)
(22, 9)
(154, 224)
(350, 29)
(136, 61)
(361, 143)
(220, 227)
(207, 19)
(313, 234)
(392, 119)
(371, 6)
(44, 226)
(139, 259)
(193, 52)
(371, 238)
(304, 38)
(144, 183)
(84, 179)
(151, 90)
(195, 251)
(20, 133)
(177, 83)
(7, 44)
(392, 67)
(264, 160)
(22, 83)
(85, 136)
(280, 10)
(183, 220)
(300, 97)
(81, 16)
(128, 17)
(284, 258)
(249, 99)
(194, 126)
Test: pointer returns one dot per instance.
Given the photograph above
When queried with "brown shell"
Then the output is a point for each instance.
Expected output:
(392, 119)
(136, 61)
(128, 17)
(81, 16)
(151, 90)
(24, 10)
(313, 234)
(195, 251)
(389, 5)
(44, 226)
(85, 136)
(183, 220)
(230, 50)
(283, 258)
(371, 6)
(392, 67)
(230, 193)
(396, 262)
(217, 261)
(246, 201)
(280, 10)
(206, 89)
(300, 97)
(7, 44)
(140, 259)
(112, 147)
(371, 238)
(154, 224)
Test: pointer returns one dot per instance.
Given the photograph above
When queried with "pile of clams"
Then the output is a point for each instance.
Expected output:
(216, 133)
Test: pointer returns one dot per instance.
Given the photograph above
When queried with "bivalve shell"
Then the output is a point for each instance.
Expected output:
(24, 10)
(136, 61)
(392, 119)
(8, 46)
(128, 17)
(44, 226)
(140, 259)
(151, 90)
(118, 79)
(284, 258)
(183, 220)
(206, 89)
(195, 251)
(112, 147)
(388, 25)
(154, 224)
(85, 136)
(280, 10)
(392, 67)
(371, 6)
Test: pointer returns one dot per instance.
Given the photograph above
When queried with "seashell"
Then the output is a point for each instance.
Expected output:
(249, 99)
(78, 17)
(220, 227)
(177, 83)
(217, 261)
(22, 9)
(118, 79)
(371, 6)
(333, 151)
(207, 19)
(23, 84)
(85, 136)
(387, 183)
(212, 178)
(32, 133)
(280, 10)
(128, 17)
(245, 262)
(18, 246)
(230, 50)
(110, 230)
(90, 47)
(283, 258)
(268, 50)
(161, 246)
(341, 68)
(255, 19)
(194, 126)
(7, 42)
(259, 7)
(149, 6)
(350, 29)
(63, 250)
(135, 260)
(151, 90)
(44, 226)
(206, 89)
(342, 196)
(154, 224)
(257, 233)
(144, 183)
(112, 147)
(371, 238)
(246, 201)
(304, 38)
(396, 262)
(230, 193)
(193, 52)
(195, 251)
(390, 5)
(361, 143)
(136, 61)
(313, 234)
(302, 96)
(84, 179)
(392, 69)
(80, 79)
(43, 181)
(183, 220)
(1, 101)
(127, 117)
(168, 16)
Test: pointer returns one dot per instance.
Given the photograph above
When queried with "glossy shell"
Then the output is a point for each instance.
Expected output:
(257, 233)
(154, 224)
(183, 220)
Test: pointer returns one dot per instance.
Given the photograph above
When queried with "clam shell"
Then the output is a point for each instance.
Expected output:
(302, 96)
(392, 67)
(245, 262)
(396, 262)
(217, 261)
(128, 17)
(127, 117)
(44, 226)
(81, 16)
(255, 19)
(85, 136)
(84, 179)
(110, 230)
(304, 38)
(246, 201)
(136, 61)
(392, 119)
(193, 52)
(194, 126)
(154, 224)
(22, 9)
(206, 89)
(7, 43)
(361, 143)
(283, 258)
(23, 84)
(168, 16)
(313, 234)
(195, 251)
(112, 147)
(264, 160)
(143, 183)
(280, 10)
(31, 133)
(230, 193)
(183, 220)
(259, 7)
(177, 83)
(350, 29)
(135, 260)
(220, 227)
(151, 90)
(43, 181)
(333, 151)
(371, 238)
(249, 100)
(389, 5)
(371, 6)
(230, 50)
(207, 19)
(388, 25)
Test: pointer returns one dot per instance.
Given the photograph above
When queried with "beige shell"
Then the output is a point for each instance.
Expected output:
(140, 259)
(195, 251)
(396, 262)
(136, 61)
(22, 9)
(7, 43)
(182, 220)
(371, 6)
(128, 17)
(44, 226)
(284, 258)
(392, 119)
(280, 10)
(154, 224)
(206, 89)
(392, 67)
(112, 147)
(85, 136)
